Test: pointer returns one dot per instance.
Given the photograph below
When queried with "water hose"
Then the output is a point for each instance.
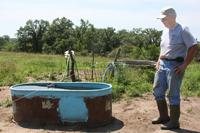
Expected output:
(106, 71)
(122, 65)
(67, 67)
(121, 68)
(65, 70)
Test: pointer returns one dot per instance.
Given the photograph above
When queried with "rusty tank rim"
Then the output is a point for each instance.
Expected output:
(80, 89)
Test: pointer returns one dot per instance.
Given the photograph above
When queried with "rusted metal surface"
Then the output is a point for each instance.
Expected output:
(59, 106)
(45, 110)
(36, 110)
(100, 110)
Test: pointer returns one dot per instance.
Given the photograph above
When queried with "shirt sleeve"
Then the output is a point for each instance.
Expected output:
(188, 38)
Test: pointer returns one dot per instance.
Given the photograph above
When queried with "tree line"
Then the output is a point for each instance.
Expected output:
(39, 36)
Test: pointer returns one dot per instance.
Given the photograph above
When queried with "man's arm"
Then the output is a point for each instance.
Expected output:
(189, 58)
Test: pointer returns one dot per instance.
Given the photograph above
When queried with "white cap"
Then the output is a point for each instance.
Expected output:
(166, 11)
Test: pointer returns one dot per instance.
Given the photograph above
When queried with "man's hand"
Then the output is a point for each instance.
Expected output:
(189, 58)
(157, 66)
(180, 69)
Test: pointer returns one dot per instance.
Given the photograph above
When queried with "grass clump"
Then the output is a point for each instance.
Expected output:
(6, 103)
(190, 111)
(190, 84)
(132, 83)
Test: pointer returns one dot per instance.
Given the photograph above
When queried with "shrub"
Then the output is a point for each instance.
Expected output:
(190, 84)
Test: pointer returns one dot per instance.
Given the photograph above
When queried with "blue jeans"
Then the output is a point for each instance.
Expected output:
(165, 79)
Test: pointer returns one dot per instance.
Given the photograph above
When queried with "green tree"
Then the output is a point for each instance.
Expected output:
(58, 35)
(136, 53)
(32, 34)
(143, 38)
(125, 37)
(8, 47)
(106, 40)
(83, 36)
(2, 42)
(6, 37)
(137, 36)
(152, 53)
(152, 36)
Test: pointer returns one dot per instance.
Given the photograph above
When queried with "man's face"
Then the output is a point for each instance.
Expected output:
(167, 21)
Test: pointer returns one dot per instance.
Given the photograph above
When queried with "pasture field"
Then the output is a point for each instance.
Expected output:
(16, 68)
(133, 104)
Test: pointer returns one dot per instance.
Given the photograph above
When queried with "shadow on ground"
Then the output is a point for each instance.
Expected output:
(183, 131)
(115, 125)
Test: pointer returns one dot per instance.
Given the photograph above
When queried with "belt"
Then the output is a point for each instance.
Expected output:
(178, 59)
(168, 59)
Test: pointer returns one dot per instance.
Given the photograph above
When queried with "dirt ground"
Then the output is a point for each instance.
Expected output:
(132, 117)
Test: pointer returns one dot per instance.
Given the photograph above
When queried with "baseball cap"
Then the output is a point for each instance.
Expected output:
(166, 11)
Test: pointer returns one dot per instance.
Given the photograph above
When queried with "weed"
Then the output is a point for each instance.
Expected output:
(190, 85)
(127, 98)
(52, 76)
(190, 111)
(6, 103)
(10, 118)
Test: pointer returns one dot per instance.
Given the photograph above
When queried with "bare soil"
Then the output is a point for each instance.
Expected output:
(132, 117)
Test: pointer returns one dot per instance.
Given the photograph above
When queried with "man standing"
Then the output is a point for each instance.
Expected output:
(171, 65)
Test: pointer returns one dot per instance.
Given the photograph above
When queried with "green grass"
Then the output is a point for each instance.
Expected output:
(6, 103)
(16, 68)
(136, 82)
(190, 111)
(191, 81)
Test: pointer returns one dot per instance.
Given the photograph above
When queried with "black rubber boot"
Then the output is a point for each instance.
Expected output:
(163, 111)
(174, 118)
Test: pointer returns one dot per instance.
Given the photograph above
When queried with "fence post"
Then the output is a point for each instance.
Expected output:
(72, 75)
(92, 61)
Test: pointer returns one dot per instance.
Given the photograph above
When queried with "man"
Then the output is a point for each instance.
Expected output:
(176, 39)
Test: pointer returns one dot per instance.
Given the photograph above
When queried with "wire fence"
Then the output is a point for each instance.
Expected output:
(85, 71)
(55, 69)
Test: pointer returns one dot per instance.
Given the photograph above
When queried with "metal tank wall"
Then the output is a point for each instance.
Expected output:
(89, 103)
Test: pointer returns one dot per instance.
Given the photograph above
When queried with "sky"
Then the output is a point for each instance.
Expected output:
(119, 14)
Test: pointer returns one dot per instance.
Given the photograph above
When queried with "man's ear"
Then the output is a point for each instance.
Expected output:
(173, 17)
